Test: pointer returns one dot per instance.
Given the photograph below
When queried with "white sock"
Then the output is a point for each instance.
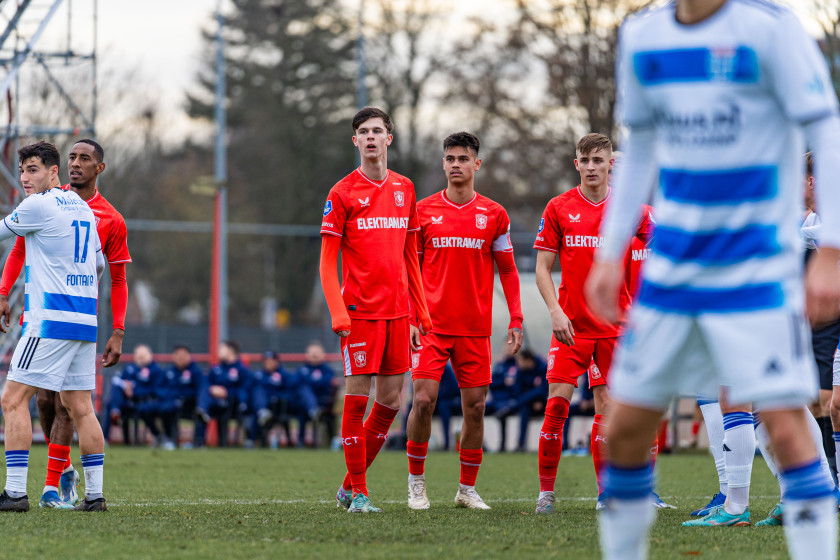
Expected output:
(413, 477)
(93, 466)
(763, 438)
(464, 487)
(739, 453)
(17, 467)
(816, 435)
(811, 528)
(624, 529)
(50, 489)
(837, 451)
(713, 418)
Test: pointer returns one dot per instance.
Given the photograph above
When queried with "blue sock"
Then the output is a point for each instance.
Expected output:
(806, 482)
(810, 512)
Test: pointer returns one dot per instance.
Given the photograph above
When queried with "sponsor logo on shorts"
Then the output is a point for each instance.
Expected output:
(360, 358)
(773, 367)
(357, 344)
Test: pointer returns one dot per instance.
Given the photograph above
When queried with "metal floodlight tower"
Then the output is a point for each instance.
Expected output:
(22, 54)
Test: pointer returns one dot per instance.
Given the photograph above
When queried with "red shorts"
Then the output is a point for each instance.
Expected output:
(567, 363)
(470, 356)
(379, 347)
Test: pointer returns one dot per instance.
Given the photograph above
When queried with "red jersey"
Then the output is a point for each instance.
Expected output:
(110, 225)
(639, 252)
(372, 218)
(457, 243)
(570, 227)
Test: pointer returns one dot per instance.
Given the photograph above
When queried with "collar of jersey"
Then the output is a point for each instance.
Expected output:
(95, 192)
(458, 206)
(606, 198)
(371, 181)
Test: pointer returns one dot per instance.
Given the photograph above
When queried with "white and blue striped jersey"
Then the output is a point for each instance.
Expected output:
(62, 255)
(724, 103)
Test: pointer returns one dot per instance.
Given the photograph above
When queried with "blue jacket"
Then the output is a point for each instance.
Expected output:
(235, 377)
(321, 380)
(182, 384)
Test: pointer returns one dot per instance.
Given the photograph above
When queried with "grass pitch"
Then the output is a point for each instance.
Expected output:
(235, 503)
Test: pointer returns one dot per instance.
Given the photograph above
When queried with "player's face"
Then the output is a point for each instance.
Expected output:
(372, 138)
(142, 356)
(594, 168)
(181, 358)
(35, 176)
(809, 192)
(315, 355)
(270, 364)
(83, 165)
(226, 353)
(460, 165)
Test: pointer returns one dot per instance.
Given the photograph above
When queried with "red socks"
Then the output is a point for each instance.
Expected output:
(470, 463)
(416, 456)
(598, 447)
(58, 459)
(375, 431)
(551, 441)
(353, 440)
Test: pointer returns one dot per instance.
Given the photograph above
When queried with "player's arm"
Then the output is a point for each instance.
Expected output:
(509, 277)
(561, 325)
(11, 272)
(330, 246)
(119, 303)
(415, 283)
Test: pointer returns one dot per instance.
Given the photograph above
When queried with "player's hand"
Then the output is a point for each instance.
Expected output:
(5, 311)
(601, 290)
(562, 327)
(113, 350)
(344, 333)
(415, 338)
(128, 389)
(218, 391)
(514, 339)
(822, 286)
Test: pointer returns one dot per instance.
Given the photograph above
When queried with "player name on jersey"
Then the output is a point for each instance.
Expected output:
(458, 242)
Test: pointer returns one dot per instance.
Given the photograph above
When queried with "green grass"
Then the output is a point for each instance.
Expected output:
(279, 504)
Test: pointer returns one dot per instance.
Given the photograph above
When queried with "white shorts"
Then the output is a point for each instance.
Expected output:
(760, 357)
(836, 370)
(54, 364)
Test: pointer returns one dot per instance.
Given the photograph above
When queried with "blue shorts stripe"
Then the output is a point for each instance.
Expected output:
(683, 300)
(66, 302)
(716, 248)
(725, 187)
(701, 64)
(63, 330)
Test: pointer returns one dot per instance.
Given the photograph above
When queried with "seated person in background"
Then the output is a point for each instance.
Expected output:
(533, 391)
(582, 406)
(448, 402)
(501, 400)
(184, 380)
(123, 400)
(275, 399)
(321, 379)
(227, 393)
(148, 391)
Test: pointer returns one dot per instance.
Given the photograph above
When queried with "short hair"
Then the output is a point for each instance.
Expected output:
(232, 344)
(527, 354)
(97, 149)
(181, 347)
(46, 152)
(592, 142)
(462, 140)
(809, 164)
(372, 113)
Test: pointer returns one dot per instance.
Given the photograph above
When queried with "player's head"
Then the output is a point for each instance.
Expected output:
(372, 132)
(315, 354)
(38, 165)
(142, 355)
(181, 357)
(593, 160)
(229, 351)
(525, 359)
(271, 361)
(85, 163)
(809, 181)
(460, 158)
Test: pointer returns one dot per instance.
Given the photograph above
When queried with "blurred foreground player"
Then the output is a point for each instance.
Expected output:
(85, 164)
(462, 236)
(370, 216)
(721, 299)
(58, 348)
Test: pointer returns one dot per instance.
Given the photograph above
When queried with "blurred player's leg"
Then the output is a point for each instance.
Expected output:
(472, 438)
(762, 436)
(713, 417)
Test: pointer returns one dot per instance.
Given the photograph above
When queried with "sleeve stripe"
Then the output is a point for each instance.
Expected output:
(327, 232)
(119, 262)
(537, 247)
(10, 229)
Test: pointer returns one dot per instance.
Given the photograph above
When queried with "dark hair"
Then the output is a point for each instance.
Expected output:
(97, 149)
(181, 347)
(592, 142)
(44, 151)
(372, 113)
(527, 354)
(809, 164)
(462, 140)
(232, 344)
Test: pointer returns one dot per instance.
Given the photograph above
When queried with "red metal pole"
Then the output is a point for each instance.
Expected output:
(215, 280)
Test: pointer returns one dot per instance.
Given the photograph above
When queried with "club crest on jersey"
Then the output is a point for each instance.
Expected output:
(575, 218)
(542, 225)
(399, 198)
(98, 219)
(481, 221)
(415, 360)
(595, 372)
(365, 203)
(360, 358)
(438, 220)
(328, 207)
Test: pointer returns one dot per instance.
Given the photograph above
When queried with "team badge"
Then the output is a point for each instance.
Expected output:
(328, 207)
(399, 198)
(551, 362)
(316, 375)
(542, 225)
(481, 221)
(186, 375)
(144, 374)
(277, 378)
(415, 360)
(98, 219)
(594, 372)
(233, 374)
(360, 358)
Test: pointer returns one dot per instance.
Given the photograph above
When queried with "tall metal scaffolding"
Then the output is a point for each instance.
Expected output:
(48, 91)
